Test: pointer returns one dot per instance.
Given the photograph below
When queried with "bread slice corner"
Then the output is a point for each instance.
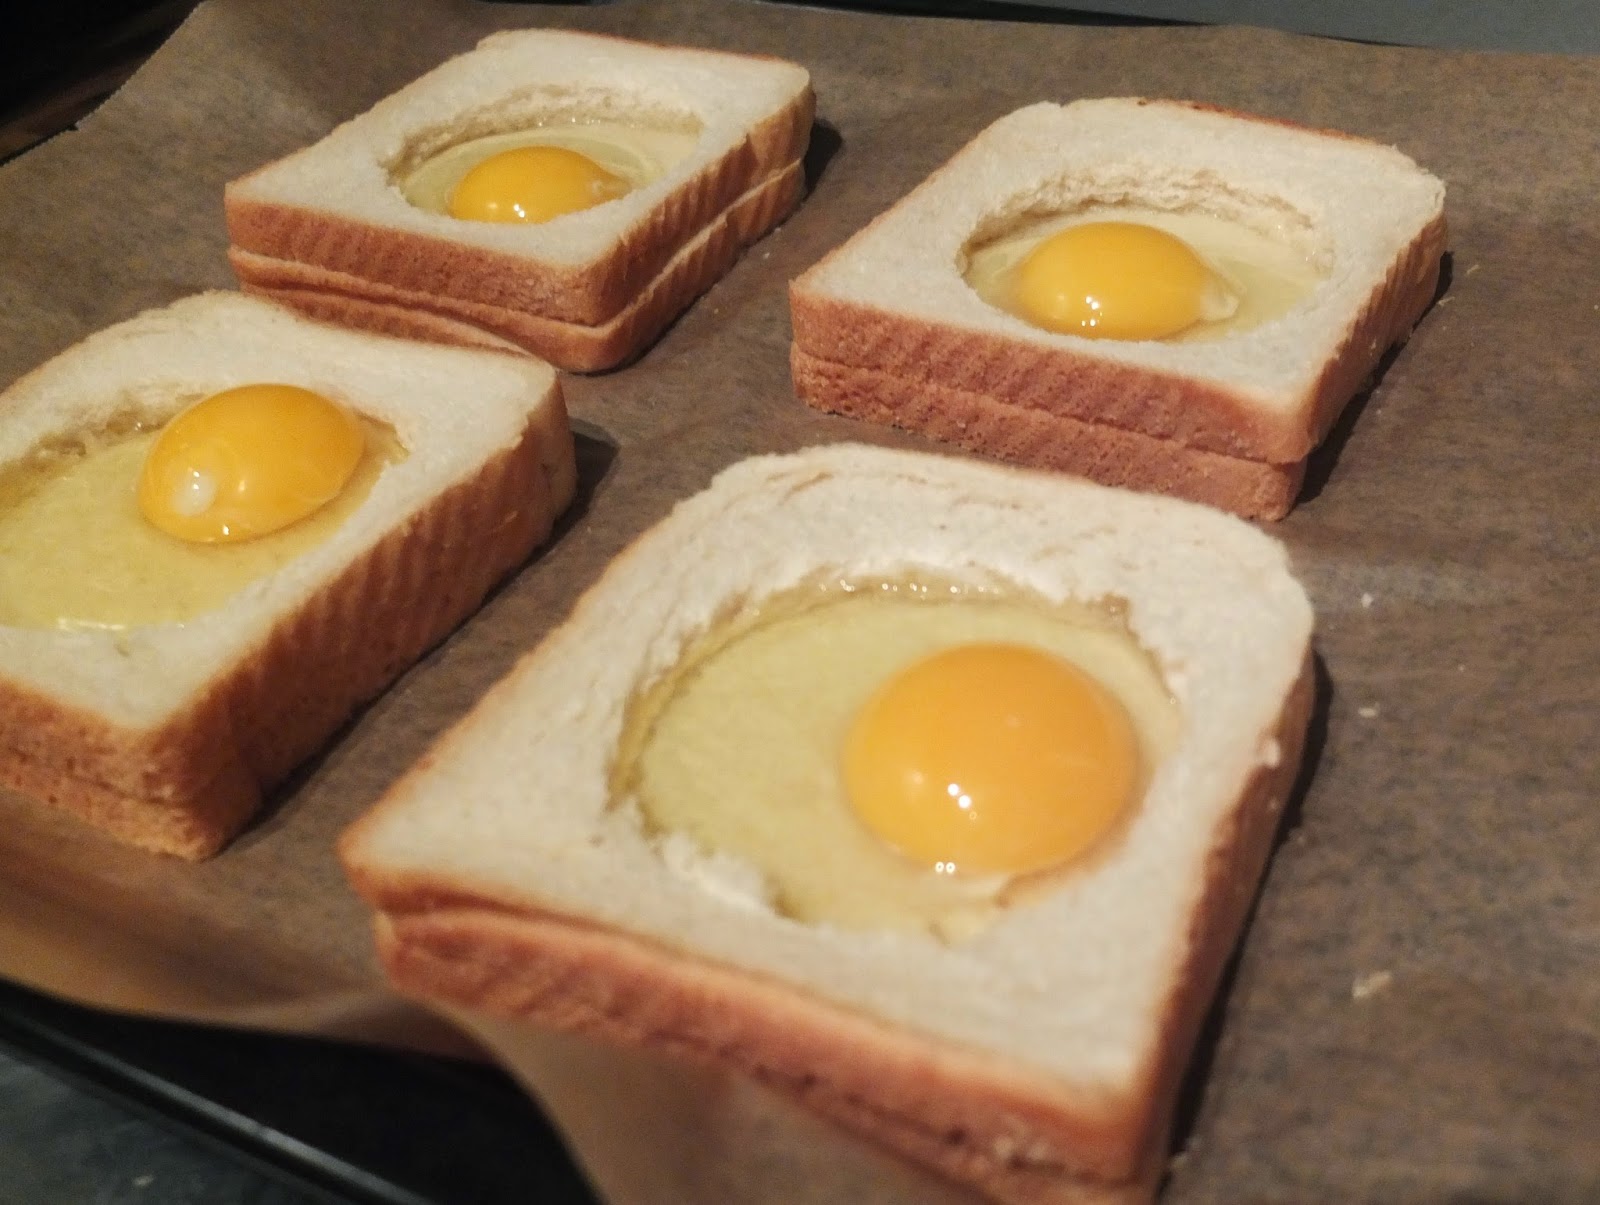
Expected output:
(886, 328)
(166, 735)
(1038, 1061)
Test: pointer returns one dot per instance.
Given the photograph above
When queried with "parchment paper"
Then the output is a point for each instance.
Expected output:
(1416, 1012)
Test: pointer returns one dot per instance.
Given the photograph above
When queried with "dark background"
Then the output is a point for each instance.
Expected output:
(57, 61)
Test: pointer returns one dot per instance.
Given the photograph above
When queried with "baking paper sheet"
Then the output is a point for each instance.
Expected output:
(1416, 1012)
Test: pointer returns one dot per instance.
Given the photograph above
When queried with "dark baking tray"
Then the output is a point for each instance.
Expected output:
(341, 1122)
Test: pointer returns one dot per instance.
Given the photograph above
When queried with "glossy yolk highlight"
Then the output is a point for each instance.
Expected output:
(248, 461)
(1118, 280)
(533, 184)
(991, 758)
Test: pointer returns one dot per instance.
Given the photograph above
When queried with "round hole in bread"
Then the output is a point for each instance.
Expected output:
(76, 551)
(735, 759)
(614, 144)
(1130, 254)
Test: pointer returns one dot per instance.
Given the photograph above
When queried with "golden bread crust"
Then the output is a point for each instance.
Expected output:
(360, 301)
(588, 294)
(1050, 380)
(190, 784)
(975, 1118)
(1038, 438)
(947, 1108)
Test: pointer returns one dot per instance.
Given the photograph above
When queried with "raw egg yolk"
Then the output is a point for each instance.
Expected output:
(533, 184)
(248, 461)
(992, 759)
(1118, 280)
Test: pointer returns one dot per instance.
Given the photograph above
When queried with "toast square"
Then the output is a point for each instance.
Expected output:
(328, 229)
(507, 876)
(887, 329)
(167, 734)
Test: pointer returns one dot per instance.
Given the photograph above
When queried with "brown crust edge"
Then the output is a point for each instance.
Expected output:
(360, 302)
(1073, 383)
(589, 294)
(1004, 1130)
(994, 426)
(188, 786)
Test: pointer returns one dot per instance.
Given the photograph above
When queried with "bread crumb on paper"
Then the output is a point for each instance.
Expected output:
(1369, 985)
(1370, 712)
(1366, 600)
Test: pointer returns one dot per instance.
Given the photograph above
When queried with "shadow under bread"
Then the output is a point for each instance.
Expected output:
(1325, 456)
(824, 145)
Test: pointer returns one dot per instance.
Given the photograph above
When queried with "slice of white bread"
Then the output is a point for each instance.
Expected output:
(166, 735)
(575, 346)
(887, 329)
(327, 228)
(1038, 1060)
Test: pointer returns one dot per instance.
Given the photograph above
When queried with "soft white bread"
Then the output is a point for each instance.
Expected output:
(889, 313)
(1037, 1060)
(166, 735)
(329, 228)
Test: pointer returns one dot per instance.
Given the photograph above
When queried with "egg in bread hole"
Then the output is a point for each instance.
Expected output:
(543, 168)
(902, 754)
(156, 519)
(1136, 272)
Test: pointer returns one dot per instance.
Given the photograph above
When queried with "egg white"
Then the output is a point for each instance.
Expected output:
(76, 553)
(637, 154)
(738, 751)
(1267, 276)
